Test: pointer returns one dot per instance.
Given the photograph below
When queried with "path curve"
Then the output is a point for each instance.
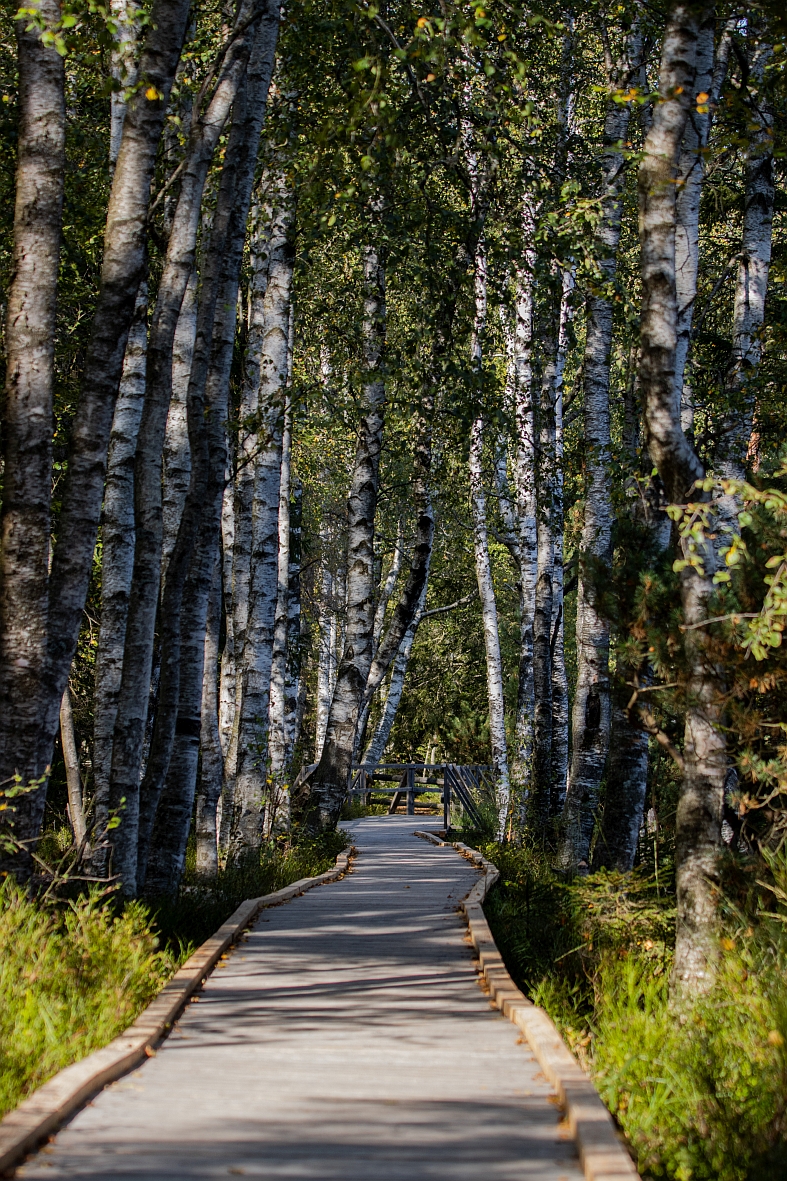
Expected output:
(346, 1039)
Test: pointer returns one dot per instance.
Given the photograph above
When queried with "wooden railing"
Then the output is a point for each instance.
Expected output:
(467, 784)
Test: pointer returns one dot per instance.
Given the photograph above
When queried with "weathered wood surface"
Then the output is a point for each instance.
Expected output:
(346, 1038)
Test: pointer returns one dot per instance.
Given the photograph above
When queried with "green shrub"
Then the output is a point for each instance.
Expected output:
(700, 1093)
(70, 981)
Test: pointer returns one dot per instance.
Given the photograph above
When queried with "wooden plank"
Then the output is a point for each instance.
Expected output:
(345, 1039)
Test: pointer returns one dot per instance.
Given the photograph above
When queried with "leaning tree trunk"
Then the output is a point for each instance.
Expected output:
(25, 524)
(171, 773)
(121, 273)
(700, 806)
(329, 782)
(591, 711)
(117, 565)
(382, 732)
(76, 806)
(128, 748)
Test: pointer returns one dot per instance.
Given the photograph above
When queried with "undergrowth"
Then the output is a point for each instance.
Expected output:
(75, 973)
(700, 1092)
(71, 979)
(202, 906)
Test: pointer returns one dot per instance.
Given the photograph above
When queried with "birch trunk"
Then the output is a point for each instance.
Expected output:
(376, 748)
(177, 456)
(121, 273)
(117, 547)
(539, 804)
(691, 174)
(699, 813)
(172, 768)
(494, 663)
(28, 423)
(483, 568)
(211, 758)
(76, 809)
(752, 276)
(524, 478)
(268, 369)
(128, 748)
(292, 714)
(123, 69)
(227, 678)
(557, 644)
(278, 743)
(330, 780)
(591, 710)
(326, 660)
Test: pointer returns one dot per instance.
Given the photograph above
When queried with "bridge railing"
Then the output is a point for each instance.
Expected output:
(470, 786)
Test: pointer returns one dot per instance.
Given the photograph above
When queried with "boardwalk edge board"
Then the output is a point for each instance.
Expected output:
(43, 1112)
(602, 1153)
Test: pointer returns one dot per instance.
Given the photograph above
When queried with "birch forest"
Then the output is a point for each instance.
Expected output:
(388, 383)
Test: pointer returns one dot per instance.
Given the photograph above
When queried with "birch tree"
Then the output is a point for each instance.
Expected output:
(698, 821)
(591, 710)
(25, 523)
(171, 773)
(329, 782)
(127, 752)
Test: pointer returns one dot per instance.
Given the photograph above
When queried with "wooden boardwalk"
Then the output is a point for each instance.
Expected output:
(346, 1039)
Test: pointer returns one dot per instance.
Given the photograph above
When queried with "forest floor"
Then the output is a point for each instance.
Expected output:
(346, 1037)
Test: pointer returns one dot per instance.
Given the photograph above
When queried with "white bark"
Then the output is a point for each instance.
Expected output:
(117, 547)
(211, 760)
(123, 69)
(691, 172)
(389, 585)
(331, 778)
(257, 655)
(591, 711)
(326, 660)
(700, 806)
(524, 478)
(177, 455)
(752, 276)
(76, 809)
(376, 748)
(557, 646)
(278, 744)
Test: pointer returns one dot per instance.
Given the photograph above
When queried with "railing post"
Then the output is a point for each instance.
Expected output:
(411, 791)
(446, 796)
